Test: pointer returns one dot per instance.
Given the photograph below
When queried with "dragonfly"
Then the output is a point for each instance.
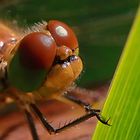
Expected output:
(42, 63)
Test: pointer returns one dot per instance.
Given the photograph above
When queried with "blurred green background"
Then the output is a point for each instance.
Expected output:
(101, 26)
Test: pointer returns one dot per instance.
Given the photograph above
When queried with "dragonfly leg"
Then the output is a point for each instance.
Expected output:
(51, 129)
(88, 108)
(31, 125)
(80, 102)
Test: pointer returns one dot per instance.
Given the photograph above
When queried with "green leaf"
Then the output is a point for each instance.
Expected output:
(123, 102)
(25, 79)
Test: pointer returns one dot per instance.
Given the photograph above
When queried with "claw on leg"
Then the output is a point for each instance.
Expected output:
(88, 108)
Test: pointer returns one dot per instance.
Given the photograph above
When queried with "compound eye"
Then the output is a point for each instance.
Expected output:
(62, 34)
(37, 50)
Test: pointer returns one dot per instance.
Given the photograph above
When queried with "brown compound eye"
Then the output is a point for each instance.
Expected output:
(37, 50)
(62, 34)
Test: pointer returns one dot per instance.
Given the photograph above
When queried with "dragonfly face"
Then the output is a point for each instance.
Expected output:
(51, 54)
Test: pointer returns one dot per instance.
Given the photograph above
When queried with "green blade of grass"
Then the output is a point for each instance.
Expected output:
(123, 102)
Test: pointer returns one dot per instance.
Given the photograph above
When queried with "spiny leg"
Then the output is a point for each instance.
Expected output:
(79, 102)
(51, 129)
(74, 99)
(31, 125)
(42, 118)
(88, 108)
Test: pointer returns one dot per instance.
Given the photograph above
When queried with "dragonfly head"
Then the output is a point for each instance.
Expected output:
(46, 58)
